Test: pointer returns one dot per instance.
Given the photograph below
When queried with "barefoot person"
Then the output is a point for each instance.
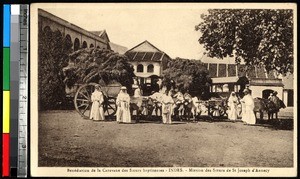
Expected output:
(97, 113)
(232, 103)
(249, 116)
(123, 111)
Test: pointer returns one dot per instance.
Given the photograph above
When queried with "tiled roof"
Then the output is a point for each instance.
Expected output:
(229, 70)
(145, 56)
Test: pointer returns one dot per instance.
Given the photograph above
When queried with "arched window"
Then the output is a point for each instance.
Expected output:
(76, 44)
(68, 44)
(150, 68)
(84, 44)
(91, 46)
(140, 68)
(47, 29)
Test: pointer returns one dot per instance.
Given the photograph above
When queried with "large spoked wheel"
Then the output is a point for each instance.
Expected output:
(110, 107)
(223, 112)
(82, 99)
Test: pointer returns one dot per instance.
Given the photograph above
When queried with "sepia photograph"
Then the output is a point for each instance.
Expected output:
(163, 89)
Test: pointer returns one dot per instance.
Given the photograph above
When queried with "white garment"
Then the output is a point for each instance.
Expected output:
(232, 103)
(123, 111)
(167, 102)
(137, 93)
(97, 112)
(243, 113)
(179, 97)
(157, 96)
(249, 116)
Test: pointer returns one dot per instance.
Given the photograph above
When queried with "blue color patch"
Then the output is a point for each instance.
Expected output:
(6, 25)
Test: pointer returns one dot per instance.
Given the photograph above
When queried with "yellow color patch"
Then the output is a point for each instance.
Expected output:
(6, 111)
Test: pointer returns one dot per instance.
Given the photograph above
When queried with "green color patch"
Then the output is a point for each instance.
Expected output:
(6, 69)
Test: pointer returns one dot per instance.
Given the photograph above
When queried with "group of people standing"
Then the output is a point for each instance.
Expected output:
(123, 105)
(123, 114)
(247, 105)
(166, 98)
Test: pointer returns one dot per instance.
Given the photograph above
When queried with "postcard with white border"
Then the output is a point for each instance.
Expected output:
(163, 89)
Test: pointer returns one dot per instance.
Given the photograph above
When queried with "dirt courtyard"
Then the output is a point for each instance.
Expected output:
(67, 140)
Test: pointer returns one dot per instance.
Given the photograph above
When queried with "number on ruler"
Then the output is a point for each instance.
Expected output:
(25, 17)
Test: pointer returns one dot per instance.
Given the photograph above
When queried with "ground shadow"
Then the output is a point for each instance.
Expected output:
(275, 124)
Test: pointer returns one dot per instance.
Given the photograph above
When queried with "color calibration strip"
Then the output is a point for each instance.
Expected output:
(6, 93)
(14, 85)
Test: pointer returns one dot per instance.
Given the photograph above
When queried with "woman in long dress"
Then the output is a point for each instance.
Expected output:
(243, 109)
(249, 116)
(97, 113)
(137, 92)
(167, 102)
(123, 102)
(232, 103)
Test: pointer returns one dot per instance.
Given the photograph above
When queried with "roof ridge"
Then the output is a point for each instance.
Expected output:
(145, 41)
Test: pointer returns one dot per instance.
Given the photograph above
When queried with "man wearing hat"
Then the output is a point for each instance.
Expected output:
(97, 113)
(248, 116)
(123, 110)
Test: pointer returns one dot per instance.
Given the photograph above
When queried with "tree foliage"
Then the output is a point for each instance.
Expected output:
(101, 66)
(257, 36)
(187, 74)
(52, 54)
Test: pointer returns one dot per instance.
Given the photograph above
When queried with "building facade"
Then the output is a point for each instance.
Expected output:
(148, 63)
(227, 77)
(79, 37)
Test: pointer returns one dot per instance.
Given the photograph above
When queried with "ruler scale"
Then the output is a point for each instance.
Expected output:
(23, 93)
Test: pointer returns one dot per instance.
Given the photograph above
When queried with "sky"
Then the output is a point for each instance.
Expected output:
(169, 28)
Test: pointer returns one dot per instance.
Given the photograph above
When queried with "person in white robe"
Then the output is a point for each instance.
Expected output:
(232, 104)
(137, 92)
(97, 112)
(249, 116)
(123, 110)
(167, 103)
